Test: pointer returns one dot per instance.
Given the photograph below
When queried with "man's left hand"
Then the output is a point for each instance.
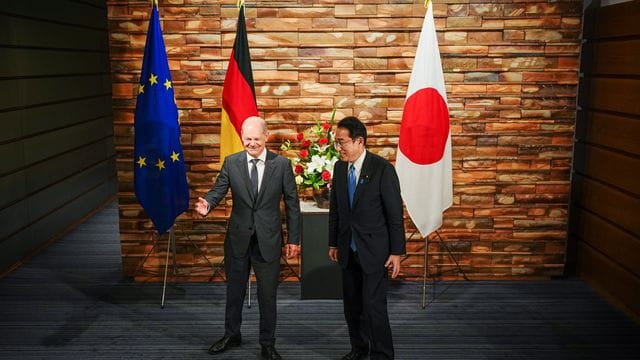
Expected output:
(393, 263)
(291, 250)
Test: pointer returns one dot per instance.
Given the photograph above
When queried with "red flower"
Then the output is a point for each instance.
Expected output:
(326, 175)
(300, 136)
(323, 141)
(326, 126)
(299, 169)
(305, 143)
(304, 153)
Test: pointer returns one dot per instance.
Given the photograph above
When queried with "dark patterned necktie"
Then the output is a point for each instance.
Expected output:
(254, 176)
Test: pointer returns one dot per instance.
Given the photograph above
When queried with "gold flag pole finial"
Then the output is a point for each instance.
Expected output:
(426, 3)
(240, 3)
(154, 3)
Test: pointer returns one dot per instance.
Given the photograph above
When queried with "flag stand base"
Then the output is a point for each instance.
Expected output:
(171, 248)
(433, 276)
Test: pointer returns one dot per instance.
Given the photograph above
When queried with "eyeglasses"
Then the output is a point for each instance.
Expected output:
(338, 143)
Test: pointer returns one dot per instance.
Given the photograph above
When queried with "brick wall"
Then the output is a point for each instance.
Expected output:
(511, 77)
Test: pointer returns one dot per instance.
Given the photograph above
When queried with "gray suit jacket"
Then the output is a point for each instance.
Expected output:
(261, 214)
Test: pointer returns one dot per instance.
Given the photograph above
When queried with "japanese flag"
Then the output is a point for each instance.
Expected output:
(423, 159)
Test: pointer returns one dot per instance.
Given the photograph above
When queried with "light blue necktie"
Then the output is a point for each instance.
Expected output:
(351, 188)
(352, 183)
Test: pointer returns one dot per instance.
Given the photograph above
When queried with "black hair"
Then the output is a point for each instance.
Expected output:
(355, 127)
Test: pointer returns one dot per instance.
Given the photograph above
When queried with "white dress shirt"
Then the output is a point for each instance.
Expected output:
(358, 165)
(260, 165)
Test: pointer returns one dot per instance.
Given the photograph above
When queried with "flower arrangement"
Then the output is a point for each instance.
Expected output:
(313, 165)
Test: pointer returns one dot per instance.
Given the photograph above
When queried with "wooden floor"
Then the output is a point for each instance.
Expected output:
(70, 302)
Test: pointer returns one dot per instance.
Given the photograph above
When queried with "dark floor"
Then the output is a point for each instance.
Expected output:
(70, 302)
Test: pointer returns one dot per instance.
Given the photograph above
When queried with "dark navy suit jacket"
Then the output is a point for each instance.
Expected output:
(376, 217)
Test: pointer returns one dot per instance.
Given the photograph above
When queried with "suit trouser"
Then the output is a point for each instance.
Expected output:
(267, 276)
(365, 309)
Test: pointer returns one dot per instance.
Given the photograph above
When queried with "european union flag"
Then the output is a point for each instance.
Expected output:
(159, 170)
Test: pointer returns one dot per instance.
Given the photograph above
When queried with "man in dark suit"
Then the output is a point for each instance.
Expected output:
(258, 179)
(366, 236)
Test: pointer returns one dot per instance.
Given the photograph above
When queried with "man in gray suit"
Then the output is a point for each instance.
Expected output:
(258, 179)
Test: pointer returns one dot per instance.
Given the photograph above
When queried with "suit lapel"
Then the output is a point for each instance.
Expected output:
(363, 179)
(269, 168)
(243, 168)
(340, 175)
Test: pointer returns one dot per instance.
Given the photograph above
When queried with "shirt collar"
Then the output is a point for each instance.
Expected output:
(359, 161)
(262, 157)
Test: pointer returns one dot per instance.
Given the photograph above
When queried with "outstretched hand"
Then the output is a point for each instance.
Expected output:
(202, 206)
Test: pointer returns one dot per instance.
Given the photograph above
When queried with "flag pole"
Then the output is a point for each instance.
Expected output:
(424, 275)
(170, 240)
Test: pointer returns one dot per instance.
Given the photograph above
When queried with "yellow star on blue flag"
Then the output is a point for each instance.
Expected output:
(161, 189)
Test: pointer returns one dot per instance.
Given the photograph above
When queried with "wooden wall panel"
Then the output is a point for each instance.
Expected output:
(47, 33)
(611, 167)
(606, 276)
(33, 62)
(51, 226)
(620, 20)
(612, 94)
(56, 121)
(605, 237)
(613, 131)
(614, 205)
(615, 57)
(605, 201)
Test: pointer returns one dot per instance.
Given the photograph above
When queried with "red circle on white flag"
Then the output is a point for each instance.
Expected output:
(425, 127)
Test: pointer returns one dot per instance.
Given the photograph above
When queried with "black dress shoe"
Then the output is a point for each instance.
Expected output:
(223, 344)
(269, 353)
(354, 355)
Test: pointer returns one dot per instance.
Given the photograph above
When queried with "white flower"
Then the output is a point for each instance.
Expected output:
(330, 164)
(321, 148)
(299, 180)
(316, 164)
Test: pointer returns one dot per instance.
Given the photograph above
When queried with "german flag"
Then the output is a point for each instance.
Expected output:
(238, 94)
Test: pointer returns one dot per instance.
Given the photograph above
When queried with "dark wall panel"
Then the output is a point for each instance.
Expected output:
(52, 225)
(607, 276)
(37, 62)
(47, 33)
(608, 202)
(56, 122)
(56, 169)
(45, 118)
(82, 14)
(612, 94)
(612, 167)
(615, 57)
(609, 239)
(604, 241)
(611, 22)
(613, 131)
